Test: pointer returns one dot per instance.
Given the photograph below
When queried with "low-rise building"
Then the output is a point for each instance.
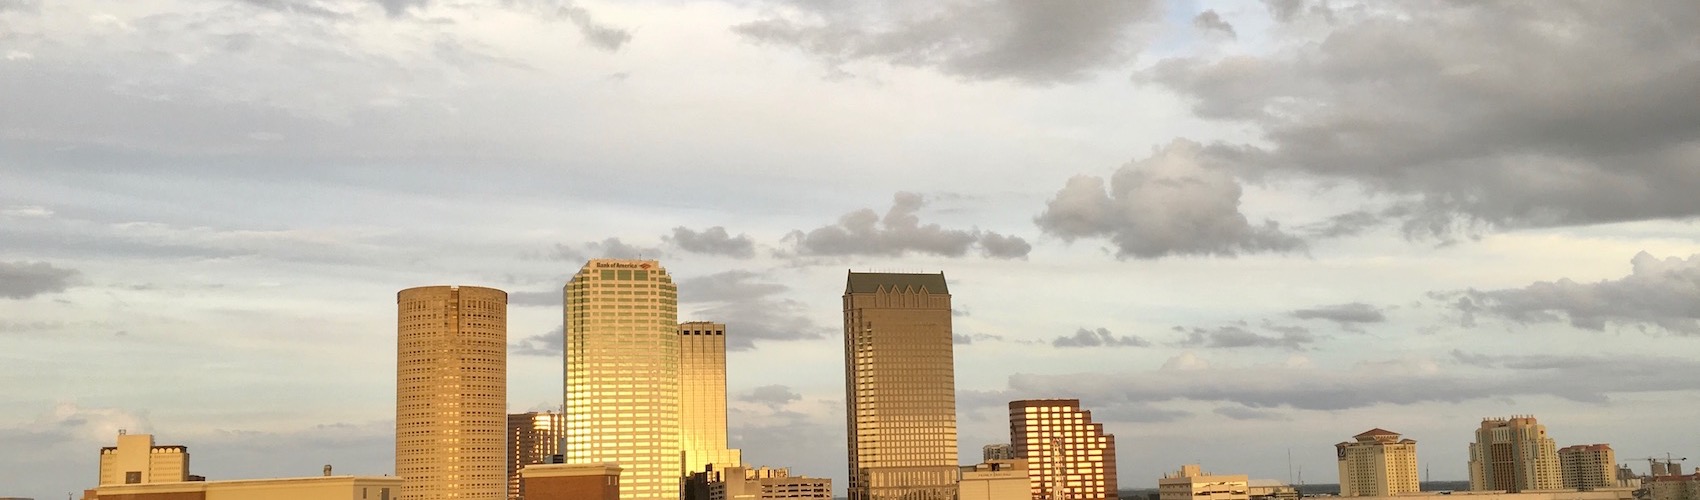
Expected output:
(137, 460)
(300, 488)
(570, 481)
(1192, 483)
(1270, 489)
(762, 483)
(1674, 487)
(1004, 479)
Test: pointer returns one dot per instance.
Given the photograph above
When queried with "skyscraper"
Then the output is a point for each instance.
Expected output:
(532, 438)
(451, 392)
(1376, 463)
(622, 375)
(1513, 455)
(899, 387)
(1068, 455)
(1588, 466)
(702, 397)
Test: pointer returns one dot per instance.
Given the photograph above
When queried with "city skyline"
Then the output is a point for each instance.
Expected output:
(1234, 228)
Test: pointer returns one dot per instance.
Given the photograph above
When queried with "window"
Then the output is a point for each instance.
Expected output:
(133, 477)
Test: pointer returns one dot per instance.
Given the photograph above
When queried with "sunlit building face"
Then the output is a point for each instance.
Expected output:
(451, 392)
(1068, 456)
(900, 387)
(622, 375)
(702, 397)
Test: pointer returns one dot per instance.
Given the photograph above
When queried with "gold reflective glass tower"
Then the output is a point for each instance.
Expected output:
(622, 375)
(532, 438)
(451, 392)
(702, 397)
(900, 387)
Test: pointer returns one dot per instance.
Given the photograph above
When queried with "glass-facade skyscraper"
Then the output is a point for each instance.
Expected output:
(899, 387)
(702, 397)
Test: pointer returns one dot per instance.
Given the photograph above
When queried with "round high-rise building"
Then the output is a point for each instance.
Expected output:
(451, 393)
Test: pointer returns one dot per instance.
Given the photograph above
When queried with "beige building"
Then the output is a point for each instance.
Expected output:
(1270, 489)
(1514, 455)
(571, 481)
(1192, 483)
(702, 397)
(622, 375)
(302, 488)
(1377, 463)
(1674, 487)
(451, 392)
(900, 387)
(1068, 455)
(997, 479)
(1608, 494)
(764, 483)
(137, 460)
(532, 438)
(1588, 466)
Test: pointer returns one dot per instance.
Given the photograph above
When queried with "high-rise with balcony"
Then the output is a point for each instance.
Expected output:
(532, 438)
(1514, 455)
(1377, 463)
(899, 387)
(1068, 455)
(702, 397)
(1588, 466)
(622, 375)
(451, 392)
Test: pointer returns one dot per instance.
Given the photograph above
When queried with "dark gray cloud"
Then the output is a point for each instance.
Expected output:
(22, 280)
(550, 343)
(397, 8)
(969, 338)
(1032, 42)
(1176, 202)
(1228, 337)
(771, 395)
(1211, 22)
(900, 231)
(1100, 337)
(712, 241)
(599, 35)
(1243, 413)
(752, 309)
(1284, 10)
(1658, 294)
(1348, 224)
(1575, 113)
(1356, 312)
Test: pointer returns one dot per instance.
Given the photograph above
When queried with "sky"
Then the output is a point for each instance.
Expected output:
(1237, 231)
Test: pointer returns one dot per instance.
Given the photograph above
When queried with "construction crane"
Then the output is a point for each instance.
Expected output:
(1663, 466)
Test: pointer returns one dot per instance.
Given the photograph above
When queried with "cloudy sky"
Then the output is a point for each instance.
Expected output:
(1234, 229)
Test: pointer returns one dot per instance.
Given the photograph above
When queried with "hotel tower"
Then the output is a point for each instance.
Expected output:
(1377, 463)
(1514, 455)
(1068, 455)
(451, 393)
(899, 387)
(702, 397)
(622, 375)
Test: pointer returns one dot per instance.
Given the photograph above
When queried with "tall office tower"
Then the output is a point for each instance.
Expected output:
(622, 375)
(1377, 463)
(702, 397)
(1514, 455)
(136, 460)
(899, 387)
(1588, 466)
(451, 392)
(532, 438)
(1068, 456)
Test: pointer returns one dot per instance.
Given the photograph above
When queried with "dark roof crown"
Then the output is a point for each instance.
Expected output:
(874, 282)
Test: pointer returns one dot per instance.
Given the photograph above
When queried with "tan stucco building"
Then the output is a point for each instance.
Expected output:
(533, 437)
(1588, 466)
(137, 460)
(302, 488)
(622, 375)
(1514, 455)
(1068, 455)
(764, 483)
(996, 479)
(1377, 463)
(451, 392)
(1192, 483)
(900, 387)
(702, 397)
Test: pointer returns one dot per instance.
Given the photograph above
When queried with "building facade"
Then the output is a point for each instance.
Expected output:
(1068, 455)
(1588, 466)
(1674, 487)
(702, 397)
(452, 392)
(299, 488)
(1192, 483)
(998, 479)
(1514, 455)
(532, 438)
(764, 483)
(622, 375)
(1001, 451)
(899, 387)
(1377, 463)
(571, 482)
(137, 460)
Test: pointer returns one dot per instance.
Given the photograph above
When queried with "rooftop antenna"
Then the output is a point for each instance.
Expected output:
(1289, 465)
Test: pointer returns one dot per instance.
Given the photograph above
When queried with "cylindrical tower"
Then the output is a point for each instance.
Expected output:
(451, 392)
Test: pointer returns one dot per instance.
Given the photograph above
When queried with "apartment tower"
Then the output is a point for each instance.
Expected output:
(1068, 455)
(899, 387)
(1377, 463)
(532, 438)
(1514, 455)
(702, 397)
(622, 375)
(1588, 466)
(451, 392)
